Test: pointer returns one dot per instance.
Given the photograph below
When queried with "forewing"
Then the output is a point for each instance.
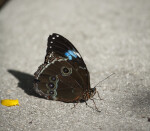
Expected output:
(60, 46)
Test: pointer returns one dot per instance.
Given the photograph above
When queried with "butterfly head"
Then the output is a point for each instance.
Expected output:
(92, 92)
(89, 94)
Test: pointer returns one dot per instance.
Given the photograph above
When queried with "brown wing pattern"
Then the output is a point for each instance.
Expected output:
(67, 88)
(61, 78)
(59, 45)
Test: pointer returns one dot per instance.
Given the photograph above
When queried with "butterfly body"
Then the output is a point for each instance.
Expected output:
(64, 75)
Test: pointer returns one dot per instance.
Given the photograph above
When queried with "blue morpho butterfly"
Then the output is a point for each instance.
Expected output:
(64, 75)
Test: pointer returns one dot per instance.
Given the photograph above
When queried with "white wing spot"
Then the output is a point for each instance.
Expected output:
(50, 47)
(53, 38)
(57, 35)
(51, 41)
(77, 54)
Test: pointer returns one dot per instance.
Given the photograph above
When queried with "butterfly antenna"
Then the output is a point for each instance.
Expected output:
(104, 79)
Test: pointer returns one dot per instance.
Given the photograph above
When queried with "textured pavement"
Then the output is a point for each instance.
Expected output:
(113, 36)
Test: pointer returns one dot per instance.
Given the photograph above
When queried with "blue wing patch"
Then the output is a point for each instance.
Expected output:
(69, 54)
(72, 53)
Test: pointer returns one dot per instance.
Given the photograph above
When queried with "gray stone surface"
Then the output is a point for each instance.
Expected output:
(111, 35)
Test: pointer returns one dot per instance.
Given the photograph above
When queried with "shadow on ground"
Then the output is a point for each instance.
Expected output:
(25, 82)
(141, 102)
(136, 105)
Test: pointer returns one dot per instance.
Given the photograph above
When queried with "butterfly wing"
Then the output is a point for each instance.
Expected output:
(60, 45)
(63, 47)
(53, 83)
(64, 63)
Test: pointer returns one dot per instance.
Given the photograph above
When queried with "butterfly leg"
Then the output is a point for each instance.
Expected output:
(74, 105)
(99, 95)
(92, 107)
(88, 105)
(95, 106)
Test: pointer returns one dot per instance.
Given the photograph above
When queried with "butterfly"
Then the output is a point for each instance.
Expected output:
(63, 76)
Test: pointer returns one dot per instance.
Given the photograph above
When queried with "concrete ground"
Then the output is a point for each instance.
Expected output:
(113, 36)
